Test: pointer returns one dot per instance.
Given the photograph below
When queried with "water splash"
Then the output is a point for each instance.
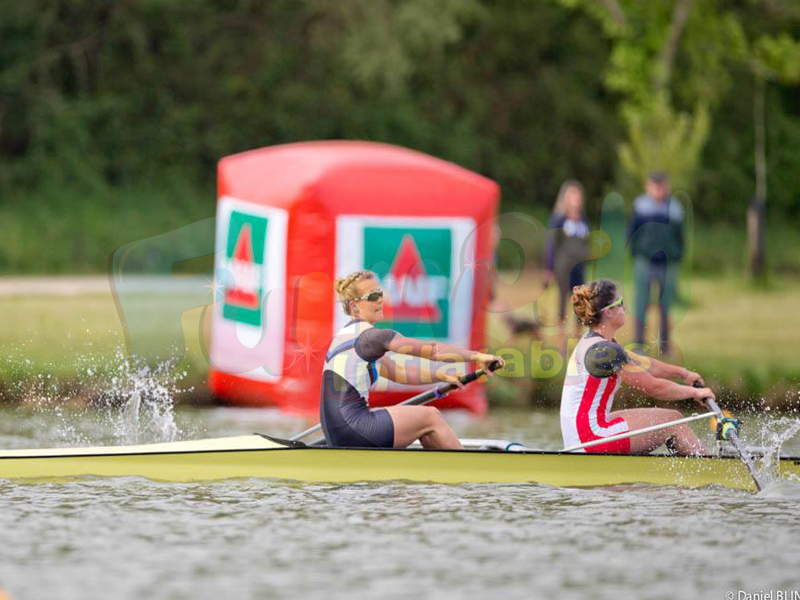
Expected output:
(140, 400)
(111, 400)
(131, 415)
(774, 434)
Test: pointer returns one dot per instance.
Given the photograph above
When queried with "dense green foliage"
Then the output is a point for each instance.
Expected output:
(114, 113)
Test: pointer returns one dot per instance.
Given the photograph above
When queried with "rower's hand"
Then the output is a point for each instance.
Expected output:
(484, 360)
(701, 393)
(454, 379)
(693, 378)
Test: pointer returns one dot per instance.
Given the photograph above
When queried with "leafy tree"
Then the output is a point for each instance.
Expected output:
(708, 45)
(104, 101)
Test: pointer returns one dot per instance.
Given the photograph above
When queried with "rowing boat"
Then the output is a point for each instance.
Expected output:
(484, 461)
(481, 461)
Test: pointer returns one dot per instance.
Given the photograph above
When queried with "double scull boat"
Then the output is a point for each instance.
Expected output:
(483, 461)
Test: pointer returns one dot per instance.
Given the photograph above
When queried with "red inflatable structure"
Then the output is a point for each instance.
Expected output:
(292, 218)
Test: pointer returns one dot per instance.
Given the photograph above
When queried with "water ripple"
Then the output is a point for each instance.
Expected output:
(134, 538)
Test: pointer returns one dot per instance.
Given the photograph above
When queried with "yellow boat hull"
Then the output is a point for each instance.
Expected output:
(255, 456)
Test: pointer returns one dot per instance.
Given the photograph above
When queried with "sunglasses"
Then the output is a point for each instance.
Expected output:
(371, 297)
(618, 302)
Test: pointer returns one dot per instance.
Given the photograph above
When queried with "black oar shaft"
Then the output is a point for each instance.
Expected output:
(446, 388)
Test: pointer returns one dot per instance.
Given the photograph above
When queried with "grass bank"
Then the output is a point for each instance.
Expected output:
(55, 230)
(74, 346)
(737, 336)
(719, 248)
(67, 231)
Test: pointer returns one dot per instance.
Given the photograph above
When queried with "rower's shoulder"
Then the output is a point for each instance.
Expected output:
(372, 343)
(604, 358)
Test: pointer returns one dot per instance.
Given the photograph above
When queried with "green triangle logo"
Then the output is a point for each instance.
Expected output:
(244, 260)
(414, 266)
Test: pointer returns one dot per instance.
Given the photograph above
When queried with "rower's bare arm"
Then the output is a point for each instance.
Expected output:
(436, 351)
(662, 389)
(664, 370)
(431, 350)
(405, 368)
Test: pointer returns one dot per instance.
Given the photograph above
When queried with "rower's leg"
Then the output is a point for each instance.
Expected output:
(684, 440)
(423, 423)
(641, 276)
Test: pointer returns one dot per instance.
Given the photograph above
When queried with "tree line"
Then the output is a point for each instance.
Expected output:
(98, 95)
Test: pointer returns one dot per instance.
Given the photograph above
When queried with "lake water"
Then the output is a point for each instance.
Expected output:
(133, 538)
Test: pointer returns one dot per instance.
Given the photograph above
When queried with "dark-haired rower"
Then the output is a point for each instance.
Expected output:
(595, 372)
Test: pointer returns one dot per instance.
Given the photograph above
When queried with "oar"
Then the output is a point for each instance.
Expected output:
(731, 434)
(423, 398)
(629, 434)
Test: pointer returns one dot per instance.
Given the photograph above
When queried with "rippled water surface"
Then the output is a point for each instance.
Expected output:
(133, 538)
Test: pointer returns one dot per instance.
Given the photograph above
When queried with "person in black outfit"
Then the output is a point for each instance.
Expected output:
(568, 246)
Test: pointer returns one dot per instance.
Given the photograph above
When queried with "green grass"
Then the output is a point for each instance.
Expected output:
(740, 337)
(719, 247)
(737, 336)
(57, 231)
(67, 345)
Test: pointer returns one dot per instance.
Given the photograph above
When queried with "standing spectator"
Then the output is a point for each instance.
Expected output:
(656, 238)
(568, 248)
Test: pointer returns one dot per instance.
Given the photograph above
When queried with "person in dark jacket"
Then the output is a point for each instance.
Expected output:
(656, 240)
(568, 248)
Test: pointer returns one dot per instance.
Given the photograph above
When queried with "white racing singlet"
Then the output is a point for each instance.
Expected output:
(587, 398)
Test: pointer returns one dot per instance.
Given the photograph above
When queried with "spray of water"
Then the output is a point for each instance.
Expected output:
(774, 434)
(139, 400)
(115, 399)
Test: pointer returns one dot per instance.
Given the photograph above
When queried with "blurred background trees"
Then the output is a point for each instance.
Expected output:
(114, 113)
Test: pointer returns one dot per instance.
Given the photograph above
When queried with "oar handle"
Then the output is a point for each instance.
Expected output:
(470, 377)
(710, 402)
(446, 388)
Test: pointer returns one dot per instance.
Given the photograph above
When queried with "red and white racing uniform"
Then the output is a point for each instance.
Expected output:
(587, 398)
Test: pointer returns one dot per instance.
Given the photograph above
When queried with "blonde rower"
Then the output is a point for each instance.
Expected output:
(358, 354)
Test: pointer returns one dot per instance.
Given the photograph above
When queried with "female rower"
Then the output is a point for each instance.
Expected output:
(358, 354)
(595, 371)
